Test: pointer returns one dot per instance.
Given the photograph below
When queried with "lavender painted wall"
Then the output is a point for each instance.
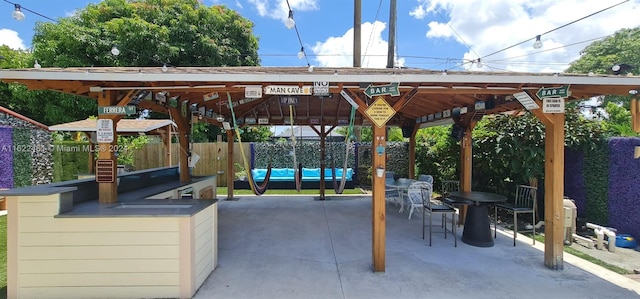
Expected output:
(624, 186)
(6, 157)
(574, 179)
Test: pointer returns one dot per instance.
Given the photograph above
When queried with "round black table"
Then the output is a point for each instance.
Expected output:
(477, 226)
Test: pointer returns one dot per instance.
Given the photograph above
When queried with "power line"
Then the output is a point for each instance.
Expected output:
(373, 27)
(454, 30)
(552, 30)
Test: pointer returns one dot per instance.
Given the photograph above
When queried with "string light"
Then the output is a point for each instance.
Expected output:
(17, 14)
(164, 68)
(115, 51)
(479, 63)
(302, 53)
(538, 43)
(290, 22)
(537, 37)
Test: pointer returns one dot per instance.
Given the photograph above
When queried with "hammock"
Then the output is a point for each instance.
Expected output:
(348, 137)
(257, 190)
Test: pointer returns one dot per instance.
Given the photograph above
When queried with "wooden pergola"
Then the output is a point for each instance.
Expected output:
(160, 127)
(408, 98)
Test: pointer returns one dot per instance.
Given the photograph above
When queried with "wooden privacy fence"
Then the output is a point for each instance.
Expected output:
(213, 158)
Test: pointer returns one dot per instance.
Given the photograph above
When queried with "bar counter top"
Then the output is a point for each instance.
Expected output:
(133, 200)
(135, 204)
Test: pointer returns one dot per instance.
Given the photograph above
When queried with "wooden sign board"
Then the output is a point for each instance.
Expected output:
(380, 112)
(105, 171)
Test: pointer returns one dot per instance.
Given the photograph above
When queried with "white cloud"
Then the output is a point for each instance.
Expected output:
(491, 25)
(278, 9)
(338, 51)
(10, 38)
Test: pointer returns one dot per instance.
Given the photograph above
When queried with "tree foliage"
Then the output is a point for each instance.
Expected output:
(437, 154)
(44, 106)
(509, 149)
(148, 33)
(599, 58)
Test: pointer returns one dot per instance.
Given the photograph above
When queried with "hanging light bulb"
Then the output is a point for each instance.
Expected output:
(289, 22)
(538, 43)
(164, 68)
(115, 51)
(479, 63)
(17, 14)
(310, 69)
(36, 65)
(301, 53)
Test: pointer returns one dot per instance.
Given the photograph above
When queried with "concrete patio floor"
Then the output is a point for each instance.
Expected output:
(298, 247)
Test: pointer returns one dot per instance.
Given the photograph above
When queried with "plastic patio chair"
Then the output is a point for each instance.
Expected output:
(415, 193)
(392, 194)
(426, 178)
(524, 203)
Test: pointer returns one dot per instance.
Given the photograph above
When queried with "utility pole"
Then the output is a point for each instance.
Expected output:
(392, 34)
(357, 32)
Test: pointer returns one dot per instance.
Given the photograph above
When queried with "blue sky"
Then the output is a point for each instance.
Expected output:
(431, 34)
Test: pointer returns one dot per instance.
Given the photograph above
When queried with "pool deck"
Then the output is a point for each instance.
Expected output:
(299, 247)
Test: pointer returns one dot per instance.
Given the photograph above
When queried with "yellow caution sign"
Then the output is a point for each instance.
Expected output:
(380, 112)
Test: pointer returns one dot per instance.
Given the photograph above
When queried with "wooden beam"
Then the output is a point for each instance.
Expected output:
(553, 188)
(378, 218)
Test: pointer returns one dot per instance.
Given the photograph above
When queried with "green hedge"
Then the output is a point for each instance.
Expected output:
(70, 158)
(22, 170)
(596, 174)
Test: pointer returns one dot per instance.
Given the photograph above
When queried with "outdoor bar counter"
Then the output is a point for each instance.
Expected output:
(158, 241)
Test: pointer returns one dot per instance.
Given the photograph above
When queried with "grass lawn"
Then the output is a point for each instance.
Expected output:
(582, 255)
(3, 257)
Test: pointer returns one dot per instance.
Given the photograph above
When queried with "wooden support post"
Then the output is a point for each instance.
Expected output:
(230, 168)
(553, 192)
(166, 140)
(108, 192)
(635, 115)
(378, 206)
(553, 187)
(412, 154)
(466, 160)
(91, 161)
(323, 137)
(183, 139)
